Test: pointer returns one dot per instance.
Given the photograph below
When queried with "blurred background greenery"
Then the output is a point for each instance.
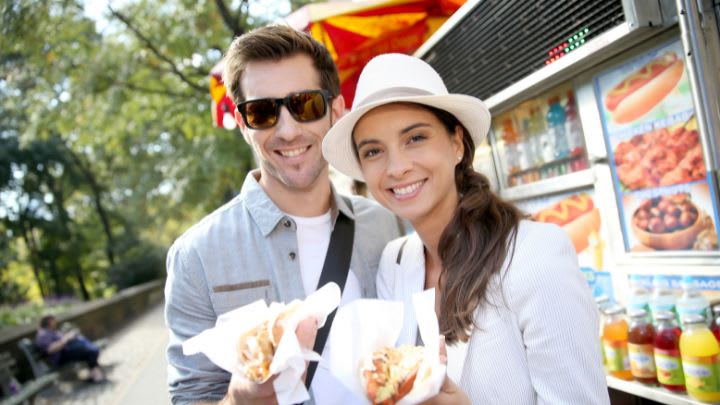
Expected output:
(107, 148)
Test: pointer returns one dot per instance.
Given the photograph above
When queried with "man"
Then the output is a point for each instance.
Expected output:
(62, 348)
(270, 242)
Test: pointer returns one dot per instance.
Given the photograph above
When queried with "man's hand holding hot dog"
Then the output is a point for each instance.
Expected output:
(244, 391)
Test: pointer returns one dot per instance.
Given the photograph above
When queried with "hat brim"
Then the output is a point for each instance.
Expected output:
(337, 147)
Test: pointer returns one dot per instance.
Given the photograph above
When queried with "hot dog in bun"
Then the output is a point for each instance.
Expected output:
(389, 374)
(256, 347)
(577, 216)
(645, 88)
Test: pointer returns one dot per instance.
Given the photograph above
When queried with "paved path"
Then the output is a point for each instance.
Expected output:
(134, 361)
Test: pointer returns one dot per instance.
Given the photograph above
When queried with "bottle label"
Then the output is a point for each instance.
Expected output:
(642, 360)
(669, 367)
(701, 373)
(616, 355)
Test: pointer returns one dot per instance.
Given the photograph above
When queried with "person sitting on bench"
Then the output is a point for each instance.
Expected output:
(62, 348)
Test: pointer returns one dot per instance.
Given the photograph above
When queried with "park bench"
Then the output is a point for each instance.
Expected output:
(15, 393)
(38, 361)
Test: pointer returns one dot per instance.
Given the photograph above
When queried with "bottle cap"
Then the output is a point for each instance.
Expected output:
(614, 310)
(604, 299)
(637, 313)
(693, 319)
(664, 316)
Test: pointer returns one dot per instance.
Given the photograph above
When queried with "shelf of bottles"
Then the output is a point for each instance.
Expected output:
(540, 138)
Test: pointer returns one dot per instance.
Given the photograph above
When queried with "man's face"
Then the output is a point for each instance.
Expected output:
(289, 153)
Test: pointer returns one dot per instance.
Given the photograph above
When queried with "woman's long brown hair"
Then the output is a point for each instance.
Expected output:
(474, 245)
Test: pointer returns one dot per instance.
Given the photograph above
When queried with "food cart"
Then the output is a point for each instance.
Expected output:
(605, 122)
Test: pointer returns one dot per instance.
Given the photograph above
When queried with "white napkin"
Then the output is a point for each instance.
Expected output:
(219, 343)
(364, 326)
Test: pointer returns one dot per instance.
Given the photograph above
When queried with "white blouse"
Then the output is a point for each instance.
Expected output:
(536, 341)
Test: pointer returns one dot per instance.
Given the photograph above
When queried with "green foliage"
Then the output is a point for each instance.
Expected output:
(107, 150)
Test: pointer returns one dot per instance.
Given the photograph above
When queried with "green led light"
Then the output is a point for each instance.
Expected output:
(587, 30)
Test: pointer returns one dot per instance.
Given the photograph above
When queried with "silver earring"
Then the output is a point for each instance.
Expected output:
(459, 158)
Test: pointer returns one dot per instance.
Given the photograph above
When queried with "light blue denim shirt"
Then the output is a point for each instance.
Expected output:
(244, 251)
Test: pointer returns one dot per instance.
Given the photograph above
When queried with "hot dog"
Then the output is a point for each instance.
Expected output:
(390, 373)
(256, 347)
(577, 216)
(644, 88)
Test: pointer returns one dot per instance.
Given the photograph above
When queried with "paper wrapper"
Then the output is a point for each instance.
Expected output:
(219, 343)
(364, 326)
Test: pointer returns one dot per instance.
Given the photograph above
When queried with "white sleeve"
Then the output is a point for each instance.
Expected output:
(558, 320)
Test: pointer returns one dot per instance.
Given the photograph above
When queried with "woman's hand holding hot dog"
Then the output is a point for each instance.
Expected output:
(450, 393)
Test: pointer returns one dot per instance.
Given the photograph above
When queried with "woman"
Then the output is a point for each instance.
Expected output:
(516, 312)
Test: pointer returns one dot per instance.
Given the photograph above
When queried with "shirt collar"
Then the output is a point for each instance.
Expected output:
(267, 215)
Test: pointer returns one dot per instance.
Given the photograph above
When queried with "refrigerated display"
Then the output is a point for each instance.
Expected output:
(539, 139)
(578, 138)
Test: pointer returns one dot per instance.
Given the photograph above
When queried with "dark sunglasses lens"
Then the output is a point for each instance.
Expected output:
(307, 106)
(261, 113)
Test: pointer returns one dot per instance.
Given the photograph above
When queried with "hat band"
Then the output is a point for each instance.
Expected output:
(392, 93)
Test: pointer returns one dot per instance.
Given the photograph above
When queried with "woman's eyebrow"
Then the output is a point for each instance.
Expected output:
(413, 126)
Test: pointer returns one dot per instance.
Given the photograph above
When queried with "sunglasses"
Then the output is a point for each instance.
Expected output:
(304, 106)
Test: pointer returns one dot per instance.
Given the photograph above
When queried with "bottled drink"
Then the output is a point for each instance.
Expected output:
(692, 301)
(512, 146)
(641, 345)
(699, 351)
(573, 127)
(663, 296)
(615, 341)
(639, 297)
(556, 128)
(667, 352)
(603, 302)
(715, 325)
(536, 131)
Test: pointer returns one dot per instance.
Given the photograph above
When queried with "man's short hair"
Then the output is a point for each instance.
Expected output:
(272, 43)
(45, 321)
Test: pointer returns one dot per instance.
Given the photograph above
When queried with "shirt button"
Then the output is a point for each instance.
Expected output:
(287, 223)
(291, 255)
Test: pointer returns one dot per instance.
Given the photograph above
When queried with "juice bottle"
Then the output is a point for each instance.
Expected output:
(639, 297)
(667, 352)
(556, 119)
(692, 300)
(715, 325)
(641, 344)
(512, 146)
(602, 302)
(615, 340)
(700, 351)
(663, 296)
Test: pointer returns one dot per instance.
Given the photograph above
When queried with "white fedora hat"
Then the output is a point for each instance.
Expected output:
(398, 78)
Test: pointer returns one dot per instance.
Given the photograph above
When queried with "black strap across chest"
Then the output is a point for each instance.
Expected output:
(335, 269)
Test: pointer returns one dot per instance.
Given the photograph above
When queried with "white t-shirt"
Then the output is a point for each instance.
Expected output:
(313, 235)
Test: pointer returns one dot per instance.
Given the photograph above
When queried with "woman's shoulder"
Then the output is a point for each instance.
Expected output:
(401, 248)
(537, 237)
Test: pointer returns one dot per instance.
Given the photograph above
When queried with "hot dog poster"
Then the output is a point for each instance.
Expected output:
(578, 215)
(666, 200)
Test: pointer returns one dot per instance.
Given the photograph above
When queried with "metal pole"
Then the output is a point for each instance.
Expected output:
(703, 73)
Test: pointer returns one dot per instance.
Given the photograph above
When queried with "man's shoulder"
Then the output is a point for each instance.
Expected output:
(219, 219)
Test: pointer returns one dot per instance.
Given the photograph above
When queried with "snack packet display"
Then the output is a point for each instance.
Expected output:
(362, 342)
(251, 341)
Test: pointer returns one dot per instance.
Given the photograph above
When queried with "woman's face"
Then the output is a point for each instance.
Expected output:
(408, 160)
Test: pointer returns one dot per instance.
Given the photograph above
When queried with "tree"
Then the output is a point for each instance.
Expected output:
(107, 151)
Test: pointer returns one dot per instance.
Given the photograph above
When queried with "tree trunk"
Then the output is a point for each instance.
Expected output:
(33, 252)
(97, 199)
